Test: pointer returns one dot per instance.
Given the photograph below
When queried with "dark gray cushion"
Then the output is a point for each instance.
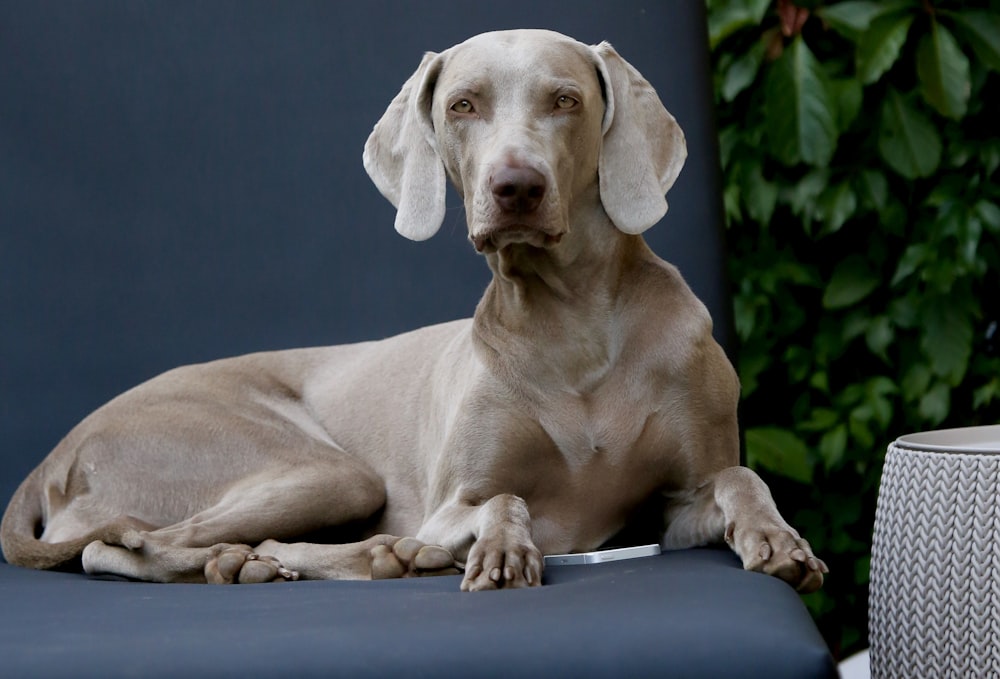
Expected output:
(692, 613)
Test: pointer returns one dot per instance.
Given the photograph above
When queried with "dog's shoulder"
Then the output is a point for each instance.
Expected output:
(666, 300)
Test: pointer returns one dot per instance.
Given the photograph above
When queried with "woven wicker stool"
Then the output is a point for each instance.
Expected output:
(934, 603)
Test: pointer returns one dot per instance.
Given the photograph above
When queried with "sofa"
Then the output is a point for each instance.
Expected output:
(182, 181)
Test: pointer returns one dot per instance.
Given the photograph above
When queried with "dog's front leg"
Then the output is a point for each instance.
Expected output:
(495, 535)
(735, 505)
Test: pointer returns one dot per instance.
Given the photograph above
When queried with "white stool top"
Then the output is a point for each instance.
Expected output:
(973, 440)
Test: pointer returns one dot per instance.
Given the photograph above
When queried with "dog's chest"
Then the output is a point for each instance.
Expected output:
(618, 430)
(601, 465)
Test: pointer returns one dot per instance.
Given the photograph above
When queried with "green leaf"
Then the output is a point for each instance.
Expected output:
(801, 196)
(742, 72)
(744, 315)
(935, 403)
(856, 324)
(874, 189)
(731, 203)
(947, 338)
(836, 205)
(820, 419)
(985, 394)
(907, 140)
(981, 29)
(862, 570)
(851, 282)
(895, 218)
(799, 364)
(879, 336)
(759, 195)
(989, 214)
(989, 155)
(832, 446)
(968, 231)
(876, 393)
(944, 72)
(726, 17)
(946, 193)
(880, 45)
(730, 138)
(820, 381)
(853, 18)
(779, 451)
(915, 381)
(905, 311)
(846, 94)
(800, 111)
(858, 426)
(751, 366)
(913, 258)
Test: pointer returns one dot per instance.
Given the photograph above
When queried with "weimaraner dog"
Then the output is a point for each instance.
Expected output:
(587, 384)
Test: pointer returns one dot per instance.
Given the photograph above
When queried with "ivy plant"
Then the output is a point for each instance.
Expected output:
(860, 147)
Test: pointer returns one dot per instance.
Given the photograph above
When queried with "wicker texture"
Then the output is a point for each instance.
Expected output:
(934, 604)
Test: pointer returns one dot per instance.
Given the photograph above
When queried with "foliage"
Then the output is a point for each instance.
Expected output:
(860, 156)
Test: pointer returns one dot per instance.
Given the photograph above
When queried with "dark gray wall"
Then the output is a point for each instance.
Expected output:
(181, 181)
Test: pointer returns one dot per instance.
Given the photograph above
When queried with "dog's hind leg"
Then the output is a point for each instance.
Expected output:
(214, 545)
(211, 545)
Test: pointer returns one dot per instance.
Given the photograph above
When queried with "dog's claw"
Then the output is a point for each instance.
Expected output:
(288, 574)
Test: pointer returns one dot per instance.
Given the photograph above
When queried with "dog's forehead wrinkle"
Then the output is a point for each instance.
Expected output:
(507, 65)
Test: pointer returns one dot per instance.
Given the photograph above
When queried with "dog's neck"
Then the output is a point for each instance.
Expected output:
(582, 269)
(566, 295)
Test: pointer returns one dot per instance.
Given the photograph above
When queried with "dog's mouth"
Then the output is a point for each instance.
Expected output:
(497, 238)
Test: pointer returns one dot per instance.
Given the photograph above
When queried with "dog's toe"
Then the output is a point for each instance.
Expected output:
(259, 569)
(385, 564)
(224, 568)
(780, 552)
(433, 558)
(503, 563)
(409, 557)
(239, 564)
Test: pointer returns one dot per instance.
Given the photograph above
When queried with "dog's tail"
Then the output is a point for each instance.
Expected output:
(22, 525)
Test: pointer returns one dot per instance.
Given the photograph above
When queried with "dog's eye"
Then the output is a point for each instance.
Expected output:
(462, 106)
(566, 102)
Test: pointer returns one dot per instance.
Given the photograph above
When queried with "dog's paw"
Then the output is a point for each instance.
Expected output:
(409, 557)
(502, 561)
(238, 564)
(781, 552)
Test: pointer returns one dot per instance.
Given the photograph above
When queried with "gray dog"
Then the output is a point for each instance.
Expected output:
(586, 385)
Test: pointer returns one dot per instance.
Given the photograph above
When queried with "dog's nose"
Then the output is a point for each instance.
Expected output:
(518, 189)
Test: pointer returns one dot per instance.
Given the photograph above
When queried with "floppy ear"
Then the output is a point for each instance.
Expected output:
(643, 148)
(401, 156)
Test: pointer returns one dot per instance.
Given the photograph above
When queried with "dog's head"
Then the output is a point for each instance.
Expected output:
(529, 125)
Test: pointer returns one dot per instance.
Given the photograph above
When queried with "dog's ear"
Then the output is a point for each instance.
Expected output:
(643, 148)
(401, 156)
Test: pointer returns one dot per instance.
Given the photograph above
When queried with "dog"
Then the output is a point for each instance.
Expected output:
(586, 389)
